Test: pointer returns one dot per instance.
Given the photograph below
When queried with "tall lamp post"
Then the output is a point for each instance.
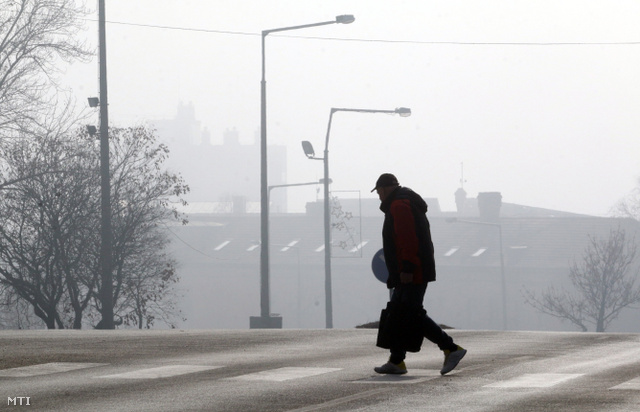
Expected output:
(308, 150)
(503, 281)
(265, 320)
(106, 248)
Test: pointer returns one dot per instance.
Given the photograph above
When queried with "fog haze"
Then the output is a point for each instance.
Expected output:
(539, 100)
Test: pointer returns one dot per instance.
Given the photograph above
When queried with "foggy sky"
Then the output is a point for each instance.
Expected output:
(539, 100)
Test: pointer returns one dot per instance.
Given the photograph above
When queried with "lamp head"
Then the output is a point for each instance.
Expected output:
(345, 19)
(308, 149)
(403, 111)
(93, 101)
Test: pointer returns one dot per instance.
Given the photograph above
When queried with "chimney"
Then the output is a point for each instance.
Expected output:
(489, 204)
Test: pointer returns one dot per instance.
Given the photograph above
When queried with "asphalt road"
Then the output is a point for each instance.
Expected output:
(313, 370)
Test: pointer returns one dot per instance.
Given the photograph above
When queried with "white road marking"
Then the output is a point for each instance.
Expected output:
(285, 374)
(160, 372)
(414, 376)
(535, 380)
(222, 245)
(618, 354)
(633, 384)
(479, 252)
(360, 246)
(290, 245)
(330, 405)
(451, 251)
(46, 369)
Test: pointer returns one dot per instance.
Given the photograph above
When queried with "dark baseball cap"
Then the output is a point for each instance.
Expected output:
(385, 179)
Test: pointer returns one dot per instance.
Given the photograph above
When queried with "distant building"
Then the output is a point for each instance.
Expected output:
(219, 264)
(219, 251)
(226, 175)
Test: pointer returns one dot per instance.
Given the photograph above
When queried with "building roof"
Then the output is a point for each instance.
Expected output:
(534, 242)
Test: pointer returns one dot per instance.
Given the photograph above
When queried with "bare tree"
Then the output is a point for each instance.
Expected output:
(49, 239)
(47, 211)
(629, 206)
(604, 283)
(28, 261)
(35, 36)
(149, 286)
(16, 313)
(144, 197)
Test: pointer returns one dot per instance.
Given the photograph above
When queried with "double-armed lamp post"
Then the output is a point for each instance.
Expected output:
(265, 320)
(308, 150)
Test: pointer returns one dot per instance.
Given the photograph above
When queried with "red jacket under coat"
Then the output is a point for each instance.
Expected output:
(406, 237)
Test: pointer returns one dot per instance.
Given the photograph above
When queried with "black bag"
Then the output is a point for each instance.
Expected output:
(401, 327)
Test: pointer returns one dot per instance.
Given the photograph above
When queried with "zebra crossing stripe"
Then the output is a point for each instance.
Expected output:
(414, 376)
(535, 380)
(46, 369)
(160, 372)
(285, 374)
(633, 384)
(538, 380)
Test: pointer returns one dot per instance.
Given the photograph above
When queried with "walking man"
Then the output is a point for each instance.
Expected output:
(409, 256)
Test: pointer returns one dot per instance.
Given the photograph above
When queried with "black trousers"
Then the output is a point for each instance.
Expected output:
(413, 295)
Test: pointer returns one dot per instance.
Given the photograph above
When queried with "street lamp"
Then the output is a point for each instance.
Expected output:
(310, 153)
(265, 321)
(93, 101)
(502, 276)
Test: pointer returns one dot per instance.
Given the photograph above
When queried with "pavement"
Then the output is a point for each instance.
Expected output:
(313, 370)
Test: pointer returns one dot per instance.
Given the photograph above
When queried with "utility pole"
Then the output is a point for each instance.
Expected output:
(106, 250)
